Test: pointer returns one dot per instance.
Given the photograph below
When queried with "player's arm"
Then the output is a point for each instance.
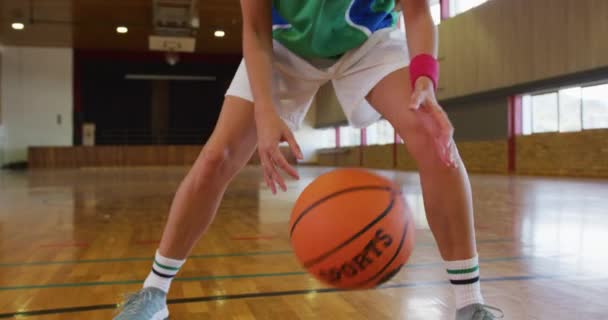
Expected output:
(424, 74)
(271, 130)
(420, 28)
(257, 49)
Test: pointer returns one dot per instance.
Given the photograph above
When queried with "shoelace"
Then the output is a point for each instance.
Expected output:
(488, 310)
(134, 301)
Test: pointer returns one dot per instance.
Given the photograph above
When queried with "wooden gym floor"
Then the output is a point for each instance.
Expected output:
(72, 241)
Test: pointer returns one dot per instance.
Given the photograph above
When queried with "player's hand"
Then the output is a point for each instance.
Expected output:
(434, 119)
(272, 130)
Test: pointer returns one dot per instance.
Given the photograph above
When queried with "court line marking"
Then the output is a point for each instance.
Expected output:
(128, 259)
(254, 295)
(235, 276)
(194, 257)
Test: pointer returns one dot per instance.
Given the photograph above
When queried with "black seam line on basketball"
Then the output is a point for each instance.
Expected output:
(337, 193)
(267, 294)
(395, 255)
(162, 274)
(378, 218)
(465, 281)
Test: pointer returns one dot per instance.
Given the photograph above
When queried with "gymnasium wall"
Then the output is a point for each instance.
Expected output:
(479, 156)
(583, 154)
(328, 110)
(162, 110)
(479, 118)
(2, 144)
(36, 99)
(499, 49)
(2, 134)
(122, 156)
(506, 47)
(307, 137)
(504, 43)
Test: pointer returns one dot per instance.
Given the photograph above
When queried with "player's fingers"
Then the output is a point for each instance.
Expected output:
(267, 168)
(441, 150)
(293, 144)
(416, 100)
(442, 121)
(276, 176)
(268, 181)
(280, 161)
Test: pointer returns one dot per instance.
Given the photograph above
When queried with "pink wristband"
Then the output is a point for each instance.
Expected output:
(424, 65)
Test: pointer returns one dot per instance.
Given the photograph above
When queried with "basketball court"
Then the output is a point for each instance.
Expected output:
(99, 124)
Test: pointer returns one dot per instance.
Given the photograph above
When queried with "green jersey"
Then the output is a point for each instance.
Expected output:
(329, 28)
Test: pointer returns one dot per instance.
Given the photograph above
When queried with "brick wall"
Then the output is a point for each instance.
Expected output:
(581, 154)
(578, 154)
(378, 156)
(479, 156)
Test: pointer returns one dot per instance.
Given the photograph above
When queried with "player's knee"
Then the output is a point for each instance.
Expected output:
(214, 164)
(422, 146)
(417, 140)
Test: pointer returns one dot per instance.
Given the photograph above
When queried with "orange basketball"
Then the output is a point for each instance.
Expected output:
(352, 229)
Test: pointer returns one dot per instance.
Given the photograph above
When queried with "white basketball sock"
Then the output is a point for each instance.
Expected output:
(163, 271)
(464, 277)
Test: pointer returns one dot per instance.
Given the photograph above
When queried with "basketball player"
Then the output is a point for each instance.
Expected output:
(291, 48)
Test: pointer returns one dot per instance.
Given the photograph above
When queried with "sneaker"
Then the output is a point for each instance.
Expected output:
(479, 311)
(147, 304)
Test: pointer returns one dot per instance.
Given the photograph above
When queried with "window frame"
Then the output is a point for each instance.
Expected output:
(556, 91)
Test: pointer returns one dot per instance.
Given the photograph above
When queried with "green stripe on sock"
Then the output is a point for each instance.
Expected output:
(461, 271)
(165, 267)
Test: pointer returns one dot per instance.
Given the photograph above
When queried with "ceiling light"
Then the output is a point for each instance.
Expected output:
(219, 33)
(122, 29)
(18, 26)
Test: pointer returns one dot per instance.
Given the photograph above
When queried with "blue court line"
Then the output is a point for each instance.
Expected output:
(226, 277)
(270, 294)
(200, 256)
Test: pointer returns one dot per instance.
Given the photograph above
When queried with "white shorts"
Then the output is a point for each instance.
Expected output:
(295, 81)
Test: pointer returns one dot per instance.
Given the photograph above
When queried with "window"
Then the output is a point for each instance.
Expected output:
(570, 109)
(380, 132)
(327, 138)
(595, 107)
(350, 136)
(459, 6)
(566, 110)
(436, 12)
(544, 113)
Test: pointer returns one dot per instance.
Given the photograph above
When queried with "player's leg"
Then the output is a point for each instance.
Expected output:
(230, 147)
(447, 193)
(195, 204)
(446, 190)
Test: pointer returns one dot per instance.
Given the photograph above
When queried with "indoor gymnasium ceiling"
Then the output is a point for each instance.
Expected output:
(91, 24)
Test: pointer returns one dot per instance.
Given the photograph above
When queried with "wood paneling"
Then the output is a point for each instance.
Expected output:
(111, 156)
(510, 42)
(120, 156)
